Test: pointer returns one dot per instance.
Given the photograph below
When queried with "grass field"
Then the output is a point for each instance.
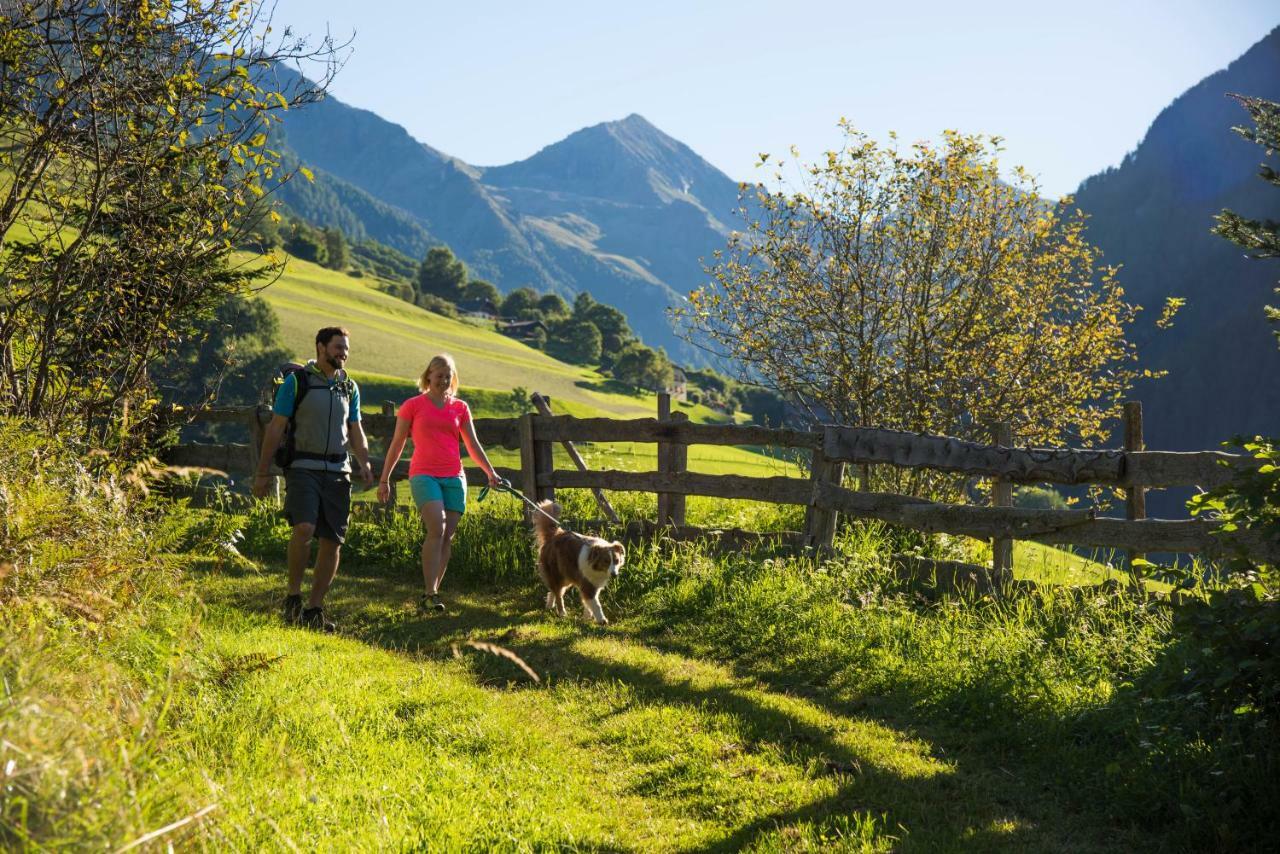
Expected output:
(737, 701)
(395, 339)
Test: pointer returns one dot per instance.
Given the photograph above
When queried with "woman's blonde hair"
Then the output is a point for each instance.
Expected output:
(440, 360)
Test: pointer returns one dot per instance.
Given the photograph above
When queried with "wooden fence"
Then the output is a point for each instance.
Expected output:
(1132, 469)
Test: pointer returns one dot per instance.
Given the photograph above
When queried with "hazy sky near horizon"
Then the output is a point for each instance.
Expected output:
(1070, 87)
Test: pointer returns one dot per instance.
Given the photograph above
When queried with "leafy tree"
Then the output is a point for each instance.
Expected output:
(133, 145)
(765, 405)
(307, 243)
(479, 289)
(643, 367)
(385, 261)
(263, 236)
(228, 364)
(553, 305)
(537, 339)
(615, 332)
(519, 301)
(337, 256)
(1260, 237)
(576, 341)
(518, 401)
(442, 275)
(918, 291)
(582, 304)
(708, 379)
(1224, 657)
(436, 304)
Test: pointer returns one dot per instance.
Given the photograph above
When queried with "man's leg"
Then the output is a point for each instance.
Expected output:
(326, 570)
(299, 555)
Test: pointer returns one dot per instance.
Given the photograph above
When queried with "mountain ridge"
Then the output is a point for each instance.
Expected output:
(624, 211)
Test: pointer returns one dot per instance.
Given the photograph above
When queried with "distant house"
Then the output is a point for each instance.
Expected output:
(478, 308)
(679, 388)
(521, 330)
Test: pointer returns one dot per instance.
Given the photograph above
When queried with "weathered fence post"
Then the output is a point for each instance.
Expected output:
(677, 463)
(1135, 500)
(535, 460)
(543, 404)
(664, 459)
(1002, 496)
(820, 523)
(389, 409)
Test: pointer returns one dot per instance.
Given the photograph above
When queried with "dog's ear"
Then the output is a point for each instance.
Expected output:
(617, 549)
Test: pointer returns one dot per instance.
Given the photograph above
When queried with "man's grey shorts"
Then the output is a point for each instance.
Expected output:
(320, 498)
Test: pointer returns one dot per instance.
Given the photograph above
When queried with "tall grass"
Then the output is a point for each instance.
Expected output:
(98, 638)
(753, 700)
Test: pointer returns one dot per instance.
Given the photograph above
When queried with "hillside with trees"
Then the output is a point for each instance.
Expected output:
(1153, 216)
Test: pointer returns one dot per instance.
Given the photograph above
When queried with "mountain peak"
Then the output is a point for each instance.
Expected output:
(625, 160)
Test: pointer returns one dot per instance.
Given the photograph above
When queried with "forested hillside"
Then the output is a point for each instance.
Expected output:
(1153, 215)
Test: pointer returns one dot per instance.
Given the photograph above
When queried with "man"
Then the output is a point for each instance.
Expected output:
(317, 480)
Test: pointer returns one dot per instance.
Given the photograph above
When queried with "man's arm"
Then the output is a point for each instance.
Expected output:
(271, 437)
(360, 448)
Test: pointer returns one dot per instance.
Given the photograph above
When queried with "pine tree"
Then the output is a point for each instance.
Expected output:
(1260, 237)
(442, 275)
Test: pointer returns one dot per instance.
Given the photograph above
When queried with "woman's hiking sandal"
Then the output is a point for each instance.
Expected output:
(431, 602)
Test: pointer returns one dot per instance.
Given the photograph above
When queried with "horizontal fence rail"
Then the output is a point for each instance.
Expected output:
(1034, 465)
(824, 494)
(569, 428)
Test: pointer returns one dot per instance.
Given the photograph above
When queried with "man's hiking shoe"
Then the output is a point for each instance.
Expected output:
(292, 608)
(314, 618)
(431, 603)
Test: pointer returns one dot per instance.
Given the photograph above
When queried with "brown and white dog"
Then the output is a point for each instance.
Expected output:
(566, 559)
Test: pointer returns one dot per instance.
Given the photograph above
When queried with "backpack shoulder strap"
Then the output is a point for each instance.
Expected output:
(302, 385)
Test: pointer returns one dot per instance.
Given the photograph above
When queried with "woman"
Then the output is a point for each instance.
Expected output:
(436, 419)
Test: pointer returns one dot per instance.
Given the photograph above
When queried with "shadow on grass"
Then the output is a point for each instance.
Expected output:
(959, 807)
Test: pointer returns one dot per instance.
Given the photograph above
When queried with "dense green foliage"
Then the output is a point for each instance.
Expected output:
(98, 643)
(230, 362)
(920, 288)
(643, 367)
(442, 275)
(745, 701)
(1261, 237)
(133, 140)
(383, 261)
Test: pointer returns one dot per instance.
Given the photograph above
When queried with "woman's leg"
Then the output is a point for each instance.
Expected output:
(451, 518)
(433, 523)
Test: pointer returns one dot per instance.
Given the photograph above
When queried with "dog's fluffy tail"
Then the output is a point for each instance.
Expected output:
(543, 528)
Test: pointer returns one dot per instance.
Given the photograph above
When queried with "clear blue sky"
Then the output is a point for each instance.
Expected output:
(1071, 86)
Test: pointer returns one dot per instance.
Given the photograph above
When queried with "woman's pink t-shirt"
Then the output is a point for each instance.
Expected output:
(435, 432)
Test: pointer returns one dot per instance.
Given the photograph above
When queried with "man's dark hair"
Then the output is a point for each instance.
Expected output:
(329, 332)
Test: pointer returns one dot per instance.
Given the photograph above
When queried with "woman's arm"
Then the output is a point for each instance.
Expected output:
(476, 452)
(394, 450)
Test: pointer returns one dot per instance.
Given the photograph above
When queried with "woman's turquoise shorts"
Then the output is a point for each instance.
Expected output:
(451, 490)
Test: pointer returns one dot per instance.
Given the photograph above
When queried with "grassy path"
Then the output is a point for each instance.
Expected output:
(398, 734)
